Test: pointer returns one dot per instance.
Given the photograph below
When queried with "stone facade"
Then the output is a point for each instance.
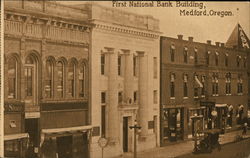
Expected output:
(124, 79)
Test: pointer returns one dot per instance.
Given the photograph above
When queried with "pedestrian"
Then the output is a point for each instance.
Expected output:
(244, 132)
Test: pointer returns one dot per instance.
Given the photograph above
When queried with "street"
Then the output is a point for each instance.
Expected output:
(231, 150)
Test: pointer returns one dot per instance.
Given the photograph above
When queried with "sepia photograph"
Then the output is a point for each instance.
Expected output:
(124, 79)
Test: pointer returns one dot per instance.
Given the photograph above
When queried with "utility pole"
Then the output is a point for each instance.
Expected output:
(136, 128)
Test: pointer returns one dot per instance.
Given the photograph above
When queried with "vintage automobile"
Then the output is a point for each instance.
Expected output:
(209, 142)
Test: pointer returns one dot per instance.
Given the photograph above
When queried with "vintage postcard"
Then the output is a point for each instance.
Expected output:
(125, 79)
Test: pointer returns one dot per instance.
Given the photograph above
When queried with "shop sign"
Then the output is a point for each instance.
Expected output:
(207, 103)
(32, 115)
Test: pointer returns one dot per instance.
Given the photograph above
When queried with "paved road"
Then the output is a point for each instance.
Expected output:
(232, 150)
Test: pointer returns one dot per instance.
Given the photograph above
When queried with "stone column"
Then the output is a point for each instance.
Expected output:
(113, 119)
(143, 93)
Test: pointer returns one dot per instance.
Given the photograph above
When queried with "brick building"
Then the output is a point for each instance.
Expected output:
(47, 112)
(124, 80)
(201, 79)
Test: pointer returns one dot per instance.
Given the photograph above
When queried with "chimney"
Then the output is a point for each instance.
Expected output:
(217, 44)
(209, 42)
(222, 45)
(180, 37)
(190, 39)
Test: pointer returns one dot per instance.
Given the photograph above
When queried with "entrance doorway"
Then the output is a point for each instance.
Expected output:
(31, 127)
(125, 134)
(64, 146)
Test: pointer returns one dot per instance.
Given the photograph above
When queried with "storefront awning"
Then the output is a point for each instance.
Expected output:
(69, 129)
(16, 136)
(220, 105)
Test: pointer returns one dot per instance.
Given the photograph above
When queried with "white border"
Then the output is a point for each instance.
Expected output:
(2, 83)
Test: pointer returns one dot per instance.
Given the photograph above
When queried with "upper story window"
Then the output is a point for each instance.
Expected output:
(155, 97)
(82, 79)
(228, 83)
(135, 97)
(215, 84)
(102, 64)
(103, 97)
(185, 87)
(226, 60)
(29, 73)
(12, 78)
(172, 85)
(185, 55)
(203, 79)
(238, 60)
(216, 58)
(135, 65)
(240, 84)
(49, 78)
(155, 67)
(119, 65)
(72, 79)
(120, 97)
(208, 57)
(195, 55)
(172, 53)
(60, 77)
(245, 62)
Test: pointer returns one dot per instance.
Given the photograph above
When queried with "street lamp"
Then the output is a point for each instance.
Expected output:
(136, 128)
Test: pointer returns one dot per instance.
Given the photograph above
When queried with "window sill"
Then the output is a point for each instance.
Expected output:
(196, 97)
(203, 96)
(172, 98)
(228, 94)
(215, 95)
(240, 93)
(185, 97)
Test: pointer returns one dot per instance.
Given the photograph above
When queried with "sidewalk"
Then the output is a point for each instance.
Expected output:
(181, 148)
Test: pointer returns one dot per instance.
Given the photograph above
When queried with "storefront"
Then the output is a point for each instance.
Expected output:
(221, 117)
(200, 123)
(172, 124)
(70, 142)
(15, 145)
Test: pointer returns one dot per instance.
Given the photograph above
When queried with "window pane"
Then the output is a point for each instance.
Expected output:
(60, 75)
(71, 79)
(82, 80)
(49, 78)
(12, 78)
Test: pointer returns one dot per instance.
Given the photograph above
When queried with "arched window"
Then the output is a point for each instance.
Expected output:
(240, 85)
(215, 85)
(12, 78)
(29, 73)
(82, 80)
(195, 55)
(49, 79)
(207, 57)
(72, 79)
(60, 77)
(238, 59)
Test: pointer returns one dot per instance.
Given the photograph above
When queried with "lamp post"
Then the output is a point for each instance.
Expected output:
(136, 128)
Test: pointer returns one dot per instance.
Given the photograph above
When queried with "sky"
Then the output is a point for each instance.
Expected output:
(202, 28)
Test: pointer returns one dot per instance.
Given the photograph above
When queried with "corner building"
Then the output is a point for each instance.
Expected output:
(204, 80)
(124, 80)
(47, 112)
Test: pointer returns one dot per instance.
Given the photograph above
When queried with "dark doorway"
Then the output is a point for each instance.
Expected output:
(125, 134)
(64, 146)
(31, 127)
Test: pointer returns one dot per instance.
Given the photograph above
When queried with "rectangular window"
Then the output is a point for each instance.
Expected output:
(155, 67)
(120, 97)
(135, 65)
(155, 97)
(102, 64)
(195, 92)
(103, 121)
(119, 65)
(195, 57)
(207, 59)
(172, 90)
(185, 88)
(172, 51)
(103, 97)
(185, 56)
(135, 96)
